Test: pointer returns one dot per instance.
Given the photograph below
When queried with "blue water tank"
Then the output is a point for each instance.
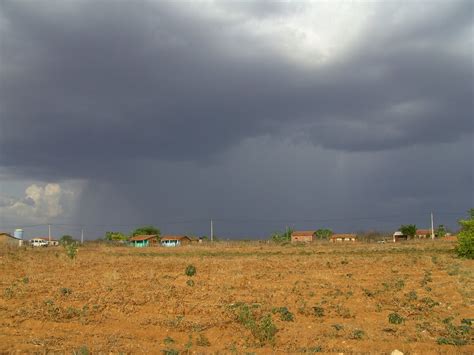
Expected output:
(18, 234)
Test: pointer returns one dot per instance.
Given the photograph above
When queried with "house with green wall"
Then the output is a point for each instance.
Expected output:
(142, 241)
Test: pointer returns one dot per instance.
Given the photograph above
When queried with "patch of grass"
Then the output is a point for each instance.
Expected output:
(8, 293)
(65, 291)
(395, 318)
(456, 334)
(429, 302)
(338, 327)
(190, 270)
(83, 350)
(264, 330)
(202, 340)
(311, 350)
(190, 283)
(450, 341)
(71, 250)
(168, 340)
(170, 352)
(25, 280)
(318, 311)
(426, 278)
(412, 296)
(285, 314)
(357, 334)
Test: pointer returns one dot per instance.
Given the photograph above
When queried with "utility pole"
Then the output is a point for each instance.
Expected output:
(432, 226)
(82, 236)
(212, 231)
(49, 233)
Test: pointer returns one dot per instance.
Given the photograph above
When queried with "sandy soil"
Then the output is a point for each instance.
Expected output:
(244, 298)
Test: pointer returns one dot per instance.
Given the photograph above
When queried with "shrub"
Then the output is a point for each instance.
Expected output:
(65, 291)
(285, 314)
(71, 250)
(465, 248)
(318, 311)
(190, 270)
(358, 334)
(190, 283)
(266, 330)
(202, 340)
(412, 296)
(395, 318)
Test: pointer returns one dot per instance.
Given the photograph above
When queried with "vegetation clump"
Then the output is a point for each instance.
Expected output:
(190, 270)
(465, 248)
(263, 329)
(395, 318)
(71, 250)
(318, 311)
(285, 314)
(456, 334)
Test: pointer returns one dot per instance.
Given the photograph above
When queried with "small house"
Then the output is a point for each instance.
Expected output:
(141, 241)
(423, 233)
(302, 236)
(175, 240)
(8, 239)
(450, 238)
(343, 238)
(398, 236)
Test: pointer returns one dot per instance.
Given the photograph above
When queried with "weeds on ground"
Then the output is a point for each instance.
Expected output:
(395, 318)
(65, 291)
(357, 334)
(71, 250)
(311, 350)
(318, 311)
(190, 270)
(456, 334)
(202, 340)
(168, 340)
(263, 329)
(285, 314)
(83, 350)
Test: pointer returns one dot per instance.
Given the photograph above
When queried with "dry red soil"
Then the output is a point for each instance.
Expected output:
(338, 298)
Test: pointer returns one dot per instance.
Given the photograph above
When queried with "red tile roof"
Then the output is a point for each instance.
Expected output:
(175, 237)
(423, 232)
(303, 233)
(142, 237)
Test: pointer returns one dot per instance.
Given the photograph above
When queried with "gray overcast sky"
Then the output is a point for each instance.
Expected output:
(259, 114)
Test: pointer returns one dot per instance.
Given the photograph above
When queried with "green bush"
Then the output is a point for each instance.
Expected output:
(285, 314)
(190, 270)
(465, 248)
(395, 318)
(71, 250)
(318, 311)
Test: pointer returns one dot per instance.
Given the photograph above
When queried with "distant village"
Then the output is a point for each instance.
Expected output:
(151, 237)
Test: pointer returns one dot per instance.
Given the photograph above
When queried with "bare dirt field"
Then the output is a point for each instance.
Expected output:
(244, 298)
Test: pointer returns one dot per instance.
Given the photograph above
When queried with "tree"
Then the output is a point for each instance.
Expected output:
(465, 248)
(440, 231)
(323, 233)
(282, 237)
(408, 229)
(115, 236)
(146, 230)
(66, 239)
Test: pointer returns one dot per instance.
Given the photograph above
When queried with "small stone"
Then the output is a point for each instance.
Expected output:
(396, 352)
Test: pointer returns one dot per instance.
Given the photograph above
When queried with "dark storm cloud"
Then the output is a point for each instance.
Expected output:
(85, 84)
(178, 112)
